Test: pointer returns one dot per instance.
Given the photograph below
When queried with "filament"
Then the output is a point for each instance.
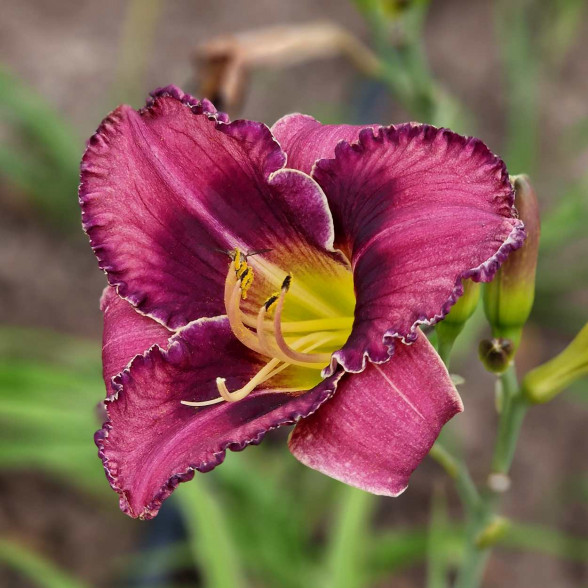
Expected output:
(291, 354)
(268, 337)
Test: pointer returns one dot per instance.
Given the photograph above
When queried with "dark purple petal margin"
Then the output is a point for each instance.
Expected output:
(151, 442)
(416, 209)
(163, 189)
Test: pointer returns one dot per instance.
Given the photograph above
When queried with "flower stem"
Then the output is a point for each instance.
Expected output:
(511, 417)
(457, 470)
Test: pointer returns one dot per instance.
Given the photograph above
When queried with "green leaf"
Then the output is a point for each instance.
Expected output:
(44, 156)
(346, 552)
(210, 541)
(35, 567)
(81, 356)
(48, 411)
(275, 528)
(540, 539)
(21, 105)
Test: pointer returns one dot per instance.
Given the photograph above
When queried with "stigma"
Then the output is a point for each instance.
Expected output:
(306, 344)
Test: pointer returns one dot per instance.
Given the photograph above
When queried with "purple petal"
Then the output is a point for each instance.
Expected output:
(174, 92)
(152, 442)
(382, 422)
(305, 140)
(416, 209)
(162, 188)
(126, 334)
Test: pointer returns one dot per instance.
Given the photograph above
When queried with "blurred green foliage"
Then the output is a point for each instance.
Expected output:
(249, 523)
(43, 158)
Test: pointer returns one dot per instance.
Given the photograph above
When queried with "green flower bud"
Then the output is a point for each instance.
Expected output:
(546, 381)
(496, 354)
(508, 299)
(452, 325)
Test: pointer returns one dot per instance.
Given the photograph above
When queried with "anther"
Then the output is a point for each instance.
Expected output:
(242, 271)
(270, 301)
(286, 283)
(236, 257)
(245, 275)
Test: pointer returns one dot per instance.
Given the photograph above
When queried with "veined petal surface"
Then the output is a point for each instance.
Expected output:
(415, 209)
(305, 140)
(164, 188)
(152, 442)
(380, 423)
(126, 333)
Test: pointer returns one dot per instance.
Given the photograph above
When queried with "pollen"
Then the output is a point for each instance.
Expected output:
(246, 279)
(271, 301)
(243, 271)
(301, 343)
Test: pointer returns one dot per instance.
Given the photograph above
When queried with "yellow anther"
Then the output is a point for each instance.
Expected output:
(270, 303)
(243, 271)
(265, 337)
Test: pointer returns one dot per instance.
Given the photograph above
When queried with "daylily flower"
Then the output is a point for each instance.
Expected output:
(254, 273)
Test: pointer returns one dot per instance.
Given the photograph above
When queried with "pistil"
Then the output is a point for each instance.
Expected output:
(268, 338)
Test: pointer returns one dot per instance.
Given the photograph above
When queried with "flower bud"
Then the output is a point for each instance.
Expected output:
(452, 325)
(508, 299)
(546, 381)
(496, 354)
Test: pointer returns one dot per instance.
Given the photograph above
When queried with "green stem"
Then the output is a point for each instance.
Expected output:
(437, 556)
(512, 415)
(511, 418)
(458, 471)
(34, 567)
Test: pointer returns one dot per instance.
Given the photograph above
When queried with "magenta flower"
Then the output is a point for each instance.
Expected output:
(254, 273)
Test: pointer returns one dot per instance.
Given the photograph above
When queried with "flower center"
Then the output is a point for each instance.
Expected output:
(306, 340)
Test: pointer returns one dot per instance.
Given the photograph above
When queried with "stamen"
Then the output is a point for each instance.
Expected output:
(232, 302)
(271, 369)
(246, 278)
(286, 283)
(237, 259)
(326, 324)
(268, 339)
(262, 337)
(243, 272)
(303, 296)
(226, 396)
(270, 345)
(291, 354)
